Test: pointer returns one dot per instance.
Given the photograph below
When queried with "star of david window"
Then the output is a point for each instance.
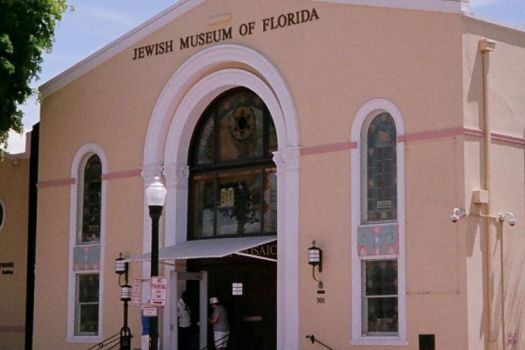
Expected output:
(233, 187)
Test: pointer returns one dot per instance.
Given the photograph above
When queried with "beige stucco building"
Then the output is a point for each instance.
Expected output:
(391, 133)
(14, 174)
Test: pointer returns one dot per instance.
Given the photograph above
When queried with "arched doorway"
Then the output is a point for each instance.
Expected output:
(179, 107)
(233, 193)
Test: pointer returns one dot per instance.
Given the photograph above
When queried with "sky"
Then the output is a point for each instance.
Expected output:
(92, 24)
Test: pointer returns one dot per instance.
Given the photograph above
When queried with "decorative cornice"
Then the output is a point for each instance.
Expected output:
(447, 6)
(177, 175)
(287, 159)
(183, 6)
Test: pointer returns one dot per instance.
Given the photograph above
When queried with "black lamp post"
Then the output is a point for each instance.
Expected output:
(121, 268)
(156, 197)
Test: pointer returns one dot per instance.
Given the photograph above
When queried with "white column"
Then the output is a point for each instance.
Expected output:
(287, 162)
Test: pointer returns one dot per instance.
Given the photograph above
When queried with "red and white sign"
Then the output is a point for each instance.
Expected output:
(159, 290)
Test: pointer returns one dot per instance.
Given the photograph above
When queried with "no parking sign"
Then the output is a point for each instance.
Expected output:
(159, 290)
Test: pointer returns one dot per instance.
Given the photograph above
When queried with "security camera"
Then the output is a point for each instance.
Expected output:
(457, 214)
(509, 218)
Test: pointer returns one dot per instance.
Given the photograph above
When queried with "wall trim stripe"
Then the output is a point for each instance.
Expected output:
(415, 137)
(512, 140)
(430, 135)
(335, 147)
(117, 175)
(56, 183)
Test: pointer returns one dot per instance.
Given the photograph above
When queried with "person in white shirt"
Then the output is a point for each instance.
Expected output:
(221, 326)
(184, 316)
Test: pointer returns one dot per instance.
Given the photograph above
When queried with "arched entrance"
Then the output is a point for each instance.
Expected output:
(233, 193)
(174, 119)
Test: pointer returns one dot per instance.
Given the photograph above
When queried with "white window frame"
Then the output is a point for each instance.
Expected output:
(361, 122)
(77, 174)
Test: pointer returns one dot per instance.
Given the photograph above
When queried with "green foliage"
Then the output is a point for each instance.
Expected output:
(26, 30)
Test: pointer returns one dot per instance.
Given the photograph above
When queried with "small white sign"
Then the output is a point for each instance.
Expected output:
(136, 292)
(149, 311)
(237, 288)
(159, 290)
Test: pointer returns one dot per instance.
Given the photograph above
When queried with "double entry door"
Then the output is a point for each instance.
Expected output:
(252, 311)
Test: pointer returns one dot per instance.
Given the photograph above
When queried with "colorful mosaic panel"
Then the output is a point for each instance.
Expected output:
(378, 240)
(86, 258)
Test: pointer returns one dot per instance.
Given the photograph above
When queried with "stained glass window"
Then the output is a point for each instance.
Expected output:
(87, 304)
(233, 187)
(86, 252)
(91, 201)
(381, 182)
(380, 297)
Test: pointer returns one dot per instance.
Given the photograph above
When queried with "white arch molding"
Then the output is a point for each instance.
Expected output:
(191, 88)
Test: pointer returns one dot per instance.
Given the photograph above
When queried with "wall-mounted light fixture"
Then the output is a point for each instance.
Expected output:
(315, 258)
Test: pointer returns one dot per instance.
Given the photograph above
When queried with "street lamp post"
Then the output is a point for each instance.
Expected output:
(121, 268)
(155, 197)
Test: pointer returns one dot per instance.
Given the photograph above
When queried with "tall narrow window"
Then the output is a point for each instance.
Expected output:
(86, 252)
(379, 266)
(233, 189)
(378, 226)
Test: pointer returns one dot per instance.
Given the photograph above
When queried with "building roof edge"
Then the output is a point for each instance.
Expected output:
(117, 46)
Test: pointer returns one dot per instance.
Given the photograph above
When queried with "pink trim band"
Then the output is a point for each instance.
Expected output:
(335, 147)
(56, 183)
(121, 174)
(431, 134)
(513, 140)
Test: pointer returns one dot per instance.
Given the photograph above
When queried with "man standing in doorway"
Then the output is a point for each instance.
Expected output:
(221, 326)
(184, 315)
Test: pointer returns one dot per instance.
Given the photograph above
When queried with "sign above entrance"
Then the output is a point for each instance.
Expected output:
(267, 24)
(208, 248)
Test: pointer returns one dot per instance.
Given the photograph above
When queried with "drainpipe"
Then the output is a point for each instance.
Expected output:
(487, 46)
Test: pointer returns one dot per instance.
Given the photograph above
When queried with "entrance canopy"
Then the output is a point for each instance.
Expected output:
(209, 248)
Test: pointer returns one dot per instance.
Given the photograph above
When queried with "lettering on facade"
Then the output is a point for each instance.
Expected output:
(268, 250)
(7, 268)
(153, 50)
(206, 38)
(223, 34)
(289, 19)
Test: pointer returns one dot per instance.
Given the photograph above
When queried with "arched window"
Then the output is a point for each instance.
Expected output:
(380, 181)
(233, 188)
(91, 201)
(378, 227)
(85, 274)
(379, 274)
